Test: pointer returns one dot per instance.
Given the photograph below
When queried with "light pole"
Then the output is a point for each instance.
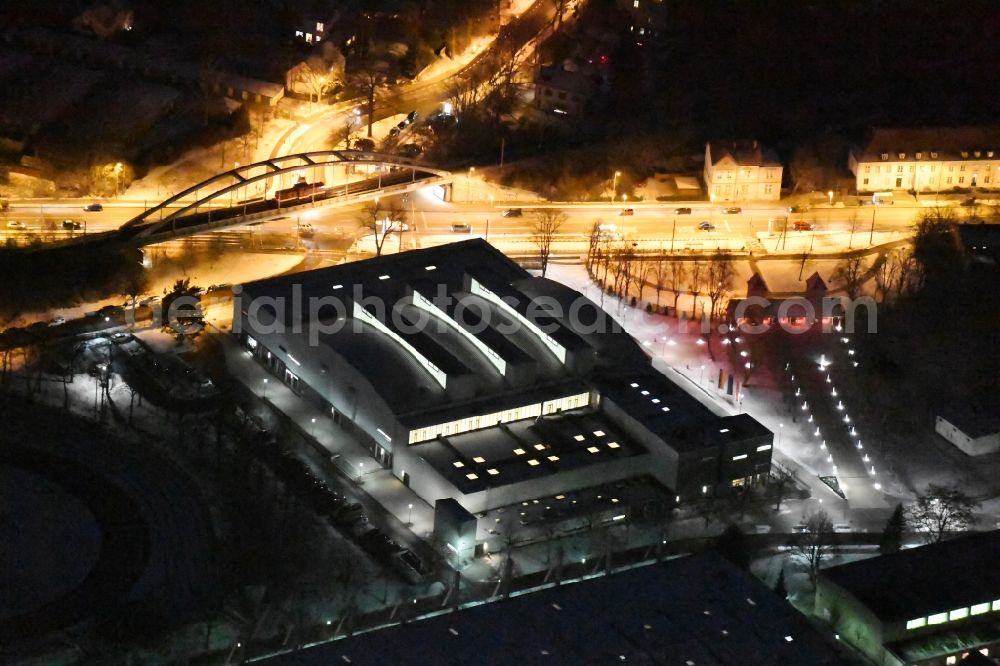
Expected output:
(830, 195)
(409, 514)
(468, 184)
(264, 394)
(488, 221)
(614, 186)
(781, 427)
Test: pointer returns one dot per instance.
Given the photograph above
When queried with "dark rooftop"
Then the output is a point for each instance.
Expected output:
(949, 143)
(697, 610)
(917, 582)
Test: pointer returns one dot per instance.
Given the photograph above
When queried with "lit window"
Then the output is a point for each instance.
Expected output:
(553, 458)
(766, 447)
(593, 449)
(383, 277)
(518, 452)
(338, 286)
(644, 392)
(559, 497)
(917, 623)
(472, 476)
(724, 430)
(533, 462)
(789, 639)
(951, 660)
(539, 447)
(598, 433)
(429, 268)
(958, 614)
(578, 438)
(492, 471)
(664, 409)
(614, 445)
(740, 457)
(458, 463)
(996, 605)
(319, 26)
(479, 459)
(937, 618)
(634, 385)
(298, 33)
(979, 609)
(656, 401)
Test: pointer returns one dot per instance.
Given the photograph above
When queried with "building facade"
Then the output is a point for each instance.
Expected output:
(445, 365)
(925, 606)
(936, 159)
(741, 171)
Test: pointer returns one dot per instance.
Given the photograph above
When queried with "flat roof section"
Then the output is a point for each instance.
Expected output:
(917, 582)
(526, 450)
(697, 610)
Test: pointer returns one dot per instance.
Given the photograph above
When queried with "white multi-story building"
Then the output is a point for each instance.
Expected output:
(928, 159)
(741, 171)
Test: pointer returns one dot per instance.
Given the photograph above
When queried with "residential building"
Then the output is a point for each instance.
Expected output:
(694, 610)
(473, 380)
(562, 91)
(741, 171)
(927, 159)
(925, 606)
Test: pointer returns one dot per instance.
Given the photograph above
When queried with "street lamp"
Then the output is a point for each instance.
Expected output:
(264, 395)
(830, 194)
(468, 184)
(409, 514)
(488, 221)
(781, 427)
(614, 186)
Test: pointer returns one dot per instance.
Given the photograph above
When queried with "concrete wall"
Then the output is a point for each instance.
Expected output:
(665, 462)
(853, 621)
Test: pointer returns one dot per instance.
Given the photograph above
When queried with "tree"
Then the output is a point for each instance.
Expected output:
(719, 279)
(384, 222)
(659, 269)
(778, 485)
(322, 72)
(892, 535)
(813, 546)
(181, 307)
(676, 274)
(940, 510)
(697, 275)
(850, 272)
(371, 81)
(345, 131)
(779, 585)
(546, 224)
(560, 7)
(732, 545)
(936, 248)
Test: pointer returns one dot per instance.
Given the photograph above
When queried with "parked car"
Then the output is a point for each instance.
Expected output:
(58, 321)
(463, 228)
(802, 225)
(71, 225)
(607, 231)
(306, 228)
(402, 124)
(513, 212)
(411, 116)
(732, 210)
(798, 209)
(366, 145)
(706, 226)
(394, 131)
(93, 208)
(121, 337)
(410, 150)
(682, 211)
(15, 224)
(627, 211)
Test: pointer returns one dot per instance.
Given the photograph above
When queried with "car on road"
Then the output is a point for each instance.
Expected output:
(15, 224)
(410, 150)
(306, 228)
(607, 231)
(802, 225)
(71, 225)
(682, 211)
(627, 211)
(121, 337)
(394, 131)
(732, 210)
(93, 208)
(411, 116)
(58, 321)
(798, 209)
(462, 227)
(403, 124)
(513, 212)
(706, 226)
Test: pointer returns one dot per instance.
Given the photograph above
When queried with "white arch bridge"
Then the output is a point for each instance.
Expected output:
(245, 194)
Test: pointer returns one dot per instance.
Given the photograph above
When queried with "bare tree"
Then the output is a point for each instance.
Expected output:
(546, 225)
(719, 279)
(780, 482)
(560, 7)
(318, 75)
(940, 510)
(593, 246)
(814, 545)
(850, 272)
(371, 81)
(345, 131)
(659, 270)
(676, 274)
(384, 221)
(697, 276)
